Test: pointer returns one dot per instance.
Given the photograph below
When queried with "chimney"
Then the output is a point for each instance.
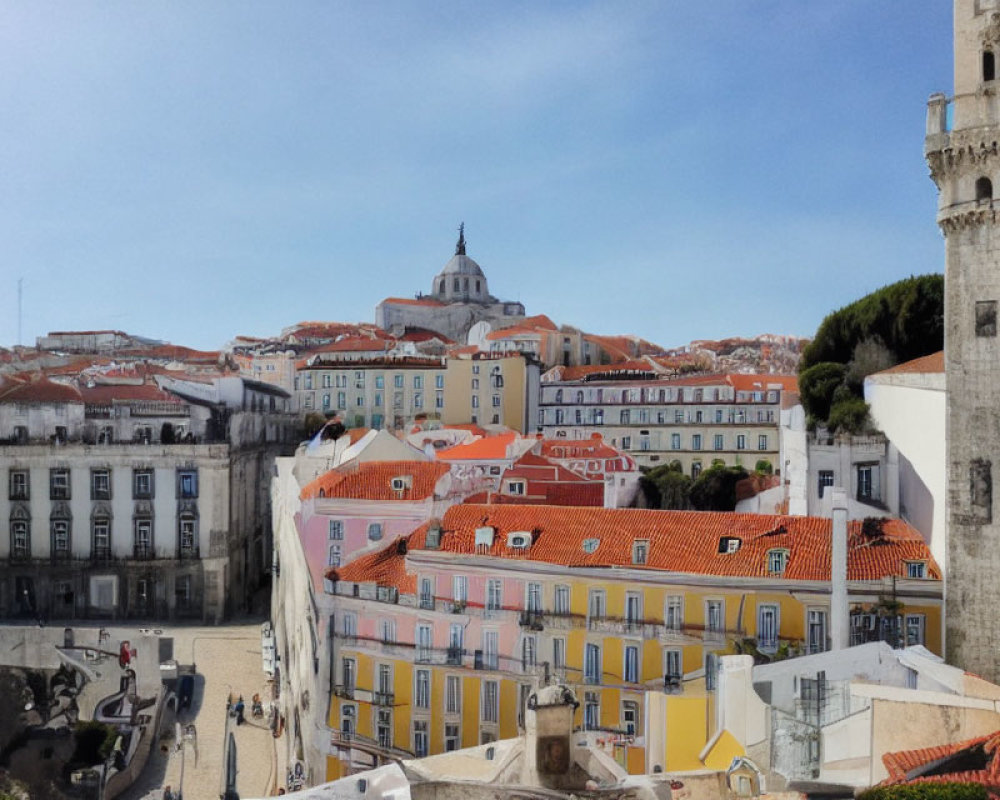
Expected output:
(840, 628)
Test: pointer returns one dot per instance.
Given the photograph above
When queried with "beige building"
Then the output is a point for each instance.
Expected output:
(392, 392)
(693, 420)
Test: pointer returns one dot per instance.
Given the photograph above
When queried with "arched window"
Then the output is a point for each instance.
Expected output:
(984, 189)
(478, 290)
(989, 65)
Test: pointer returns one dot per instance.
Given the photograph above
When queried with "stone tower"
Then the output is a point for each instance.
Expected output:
(962, 151)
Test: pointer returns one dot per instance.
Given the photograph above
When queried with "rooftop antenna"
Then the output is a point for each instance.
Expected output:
(20, 284)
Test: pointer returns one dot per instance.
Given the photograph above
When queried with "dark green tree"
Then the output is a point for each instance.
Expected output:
(715, 488)
(666, 487)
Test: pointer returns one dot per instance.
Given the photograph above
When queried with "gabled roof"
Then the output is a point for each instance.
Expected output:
(679, 541)
(38, 389)
(372, 480)
(489, 448)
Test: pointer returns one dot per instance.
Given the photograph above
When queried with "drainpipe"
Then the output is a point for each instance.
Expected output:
(840, 629)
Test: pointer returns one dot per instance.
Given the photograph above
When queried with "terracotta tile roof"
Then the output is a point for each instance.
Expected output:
(385, 567)
(904, 766)
(679, 541)
(413, 301)
(419, 335)
(38, 389)
(617, 369)
(126, 392)
(372, 480)
(489, 448)
(594, 447)
(354, 344)
(932, 363)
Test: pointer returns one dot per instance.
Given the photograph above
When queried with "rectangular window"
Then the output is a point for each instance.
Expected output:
(333, 559)
(383, 727)
(453, 694)
(816, 633)
(596, 604)
(388, 631)
(868, 483)
(493, 597)
(673, 613)
(439, 381)
(342, 400)
(559, 653)
(626, 443)
(592, 663)
(696, 441)
(187, 483)
(491, 702)
(19, 484)
(385, 680)
(914, 629)
(767, 628)
(640, 551)
(561, 604)
(424, 633)
(60, 538)
(426, 594)
(762, 441)
(529, 653)
(100, 484)
(439, 400)
(675, 441)
(672, 669)
(630, 717)
(142, 484)
(336, 529)
(591, 711)
(418, 381)
(101, 541)
(143, 537)
(631, 673)
(349, 624)
(741, 441)
(422, 695)
(718, 441)
(59, 484)
(825, 479)
(986, 318)
(20, 546)
(348, 720)
(533, 601)
(452, 739)
(460, 590)
(475, 401)
(380, 381)
(916, 569)
(491, 649)
(348, 669)
(714, 617)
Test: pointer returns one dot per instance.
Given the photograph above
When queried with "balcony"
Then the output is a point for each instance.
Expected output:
(532, 619)
(100, 554)
(383, 698)
(344, 690)
(454, 656)
(188, 553)
(143, 552)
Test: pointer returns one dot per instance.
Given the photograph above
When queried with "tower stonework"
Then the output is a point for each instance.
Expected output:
(962, 152)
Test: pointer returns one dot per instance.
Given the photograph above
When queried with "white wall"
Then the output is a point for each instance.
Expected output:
(910, 409)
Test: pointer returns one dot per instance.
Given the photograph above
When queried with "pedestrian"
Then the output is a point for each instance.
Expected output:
(240, 705)
(168, 793)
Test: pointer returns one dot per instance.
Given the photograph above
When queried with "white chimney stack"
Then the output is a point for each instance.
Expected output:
(840, 626)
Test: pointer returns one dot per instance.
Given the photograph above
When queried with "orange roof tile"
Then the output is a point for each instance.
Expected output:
(679, 541)
(372, 480)
(904, 766)
(385, 567)
(932, 363)
(39, 390)
(489, 448)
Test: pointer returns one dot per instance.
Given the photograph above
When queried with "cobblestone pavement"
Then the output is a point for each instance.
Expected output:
(227, 660)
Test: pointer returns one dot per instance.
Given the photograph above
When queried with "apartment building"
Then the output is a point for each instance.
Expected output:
(693, 420)
(130, 501)
(438, 639)
(392, 391)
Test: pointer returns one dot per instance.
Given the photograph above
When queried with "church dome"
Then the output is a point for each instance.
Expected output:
(462, 279)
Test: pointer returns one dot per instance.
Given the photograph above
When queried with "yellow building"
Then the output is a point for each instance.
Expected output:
(492, 390)
(437, 638)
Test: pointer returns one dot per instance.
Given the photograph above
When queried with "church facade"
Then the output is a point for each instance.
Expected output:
(459, 299)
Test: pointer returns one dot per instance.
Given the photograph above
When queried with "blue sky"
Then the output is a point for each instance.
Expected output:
(678, 170)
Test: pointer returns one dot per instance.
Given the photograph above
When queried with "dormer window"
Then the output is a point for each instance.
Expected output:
(515, 487)
(916, 569)
(401, 483)
(519, 540)
(590, 545)
(729, 544)
(640, 551)
(777, 560)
